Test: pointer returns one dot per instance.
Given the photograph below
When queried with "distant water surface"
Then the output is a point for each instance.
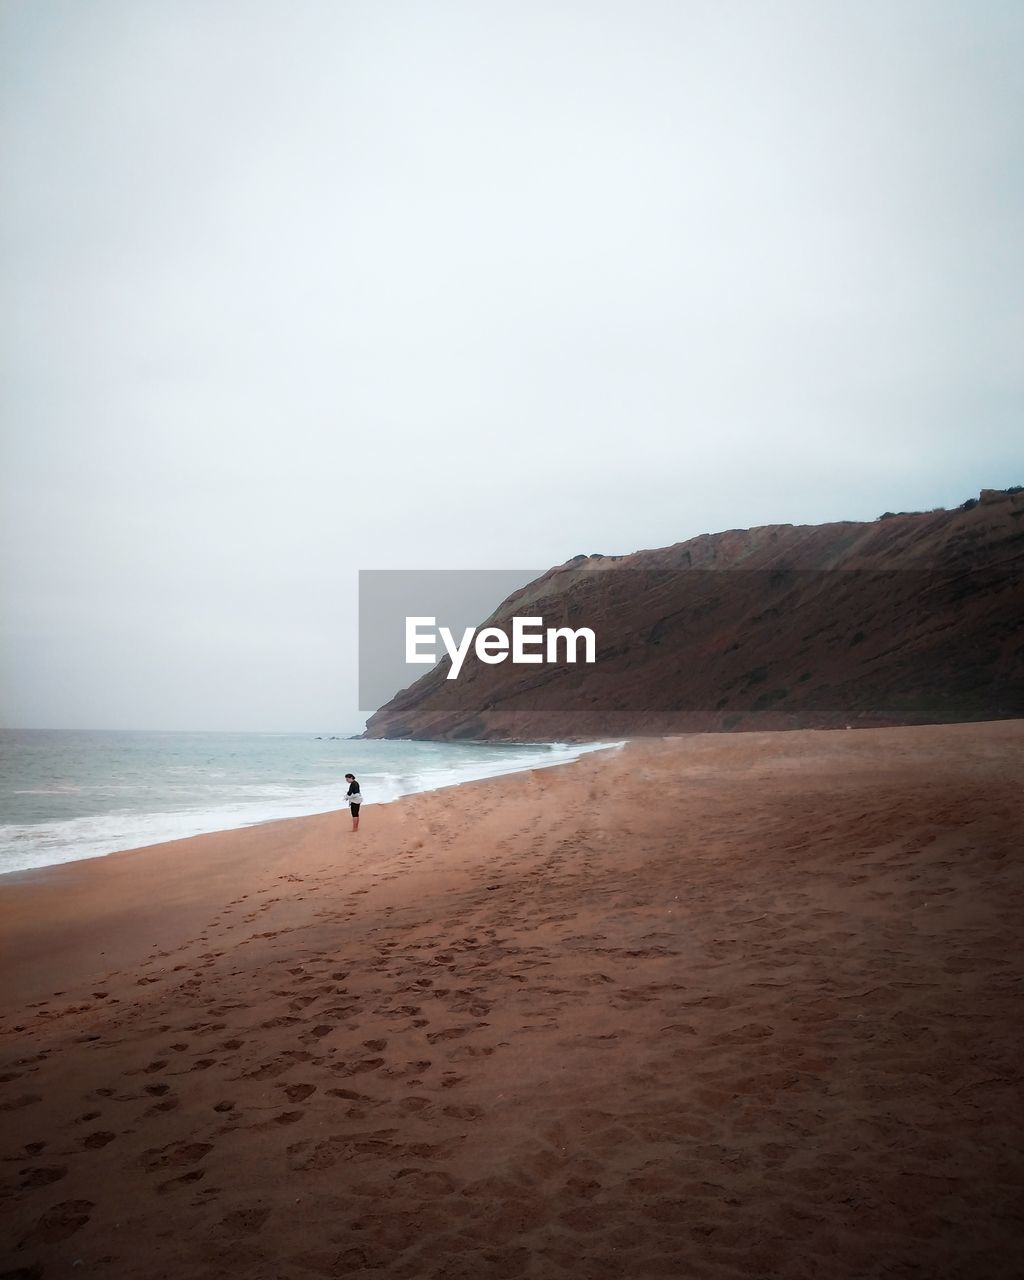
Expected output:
(66, 795)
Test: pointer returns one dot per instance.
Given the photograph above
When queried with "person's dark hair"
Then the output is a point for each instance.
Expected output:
(351, 775)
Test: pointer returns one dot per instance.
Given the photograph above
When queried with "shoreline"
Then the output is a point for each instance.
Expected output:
(736, 1003)
(573, 751)
(115, 890)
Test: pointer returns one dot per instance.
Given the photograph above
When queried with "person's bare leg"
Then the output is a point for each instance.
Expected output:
(355, 823)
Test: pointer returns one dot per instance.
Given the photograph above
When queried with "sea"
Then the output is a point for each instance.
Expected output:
(70, 794)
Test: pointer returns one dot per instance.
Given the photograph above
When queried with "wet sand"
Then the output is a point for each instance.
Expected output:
(734, 1005)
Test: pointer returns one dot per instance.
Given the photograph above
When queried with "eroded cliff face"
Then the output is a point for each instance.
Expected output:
(914, 618)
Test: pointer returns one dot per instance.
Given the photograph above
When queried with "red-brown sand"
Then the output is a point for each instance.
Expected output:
(737, 1005)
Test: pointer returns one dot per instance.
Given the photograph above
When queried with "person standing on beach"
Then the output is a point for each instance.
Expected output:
(355, 799)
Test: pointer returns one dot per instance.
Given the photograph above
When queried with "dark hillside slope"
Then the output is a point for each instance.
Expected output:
(915, 618)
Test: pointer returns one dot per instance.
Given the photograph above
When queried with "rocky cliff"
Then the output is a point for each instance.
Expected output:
(913, 618)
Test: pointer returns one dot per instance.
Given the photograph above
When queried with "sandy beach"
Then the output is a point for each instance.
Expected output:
(721, 1006)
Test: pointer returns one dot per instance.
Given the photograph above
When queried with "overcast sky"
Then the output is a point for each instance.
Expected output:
(292, 289)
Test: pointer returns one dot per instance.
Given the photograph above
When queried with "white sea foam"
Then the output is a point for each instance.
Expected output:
(26, 846)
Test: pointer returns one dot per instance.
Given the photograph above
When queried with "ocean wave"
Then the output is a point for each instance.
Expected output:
(28, 846)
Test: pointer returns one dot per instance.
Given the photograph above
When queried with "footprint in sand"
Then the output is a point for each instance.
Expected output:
(359, 1068)
(175, 1153)
(94, 1141)
(59, 1223)
(318, 1032)
(450, 1033)
(42, 1177)
(166, 1104)
(183, 1180)
(351, 1096)
(467, 1051)
(297, 1092)
(414, 1106)
(282, 1118)
(16, 1104)
(463, 1113)
(244, 1222)
(277, 1066)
